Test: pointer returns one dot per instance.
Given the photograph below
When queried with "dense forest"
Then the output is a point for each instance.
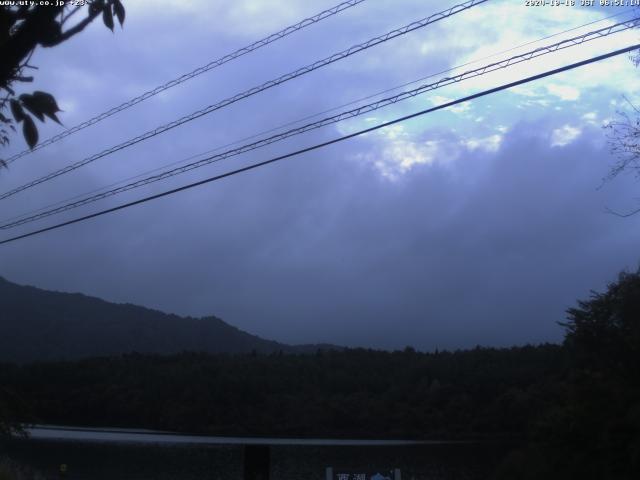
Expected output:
(574, 408)
(353, 393)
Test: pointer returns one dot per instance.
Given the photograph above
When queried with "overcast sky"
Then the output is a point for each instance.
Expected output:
(479, 224)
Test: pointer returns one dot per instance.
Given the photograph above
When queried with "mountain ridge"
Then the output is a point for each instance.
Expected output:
(45, 325)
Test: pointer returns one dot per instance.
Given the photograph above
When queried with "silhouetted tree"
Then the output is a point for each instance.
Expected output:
(604, 332)
(624, 143)
(624, 138)
(591, 428)
(23, 28)
(10, 408)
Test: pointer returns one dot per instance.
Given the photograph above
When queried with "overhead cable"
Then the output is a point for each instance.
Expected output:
(327, 143)
(252, 91)
(194, 73)
(309, 117)
(578, 40)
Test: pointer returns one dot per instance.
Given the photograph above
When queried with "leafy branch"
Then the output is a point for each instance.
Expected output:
(24, 28)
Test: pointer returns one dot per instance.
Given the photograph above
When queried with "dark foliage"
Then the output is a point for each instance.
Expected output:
(353, 393)
(623, 134)
(592, 429)
(23, 28)
(575, 407)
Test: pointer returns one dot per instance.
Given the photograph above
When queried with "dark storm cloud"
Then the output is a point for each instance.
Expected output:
(470, 247)
(323, 249)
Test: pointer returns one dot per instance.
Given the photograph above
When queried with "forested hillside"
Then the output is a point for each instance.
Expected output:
(39, 325)
(573, 407)
(353, 393)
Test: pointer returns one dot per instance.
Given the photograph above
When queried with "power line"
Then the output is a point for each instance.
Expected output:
(271, 83)
(329, 142)
(308, 117)
(194, 73)
(536, 53)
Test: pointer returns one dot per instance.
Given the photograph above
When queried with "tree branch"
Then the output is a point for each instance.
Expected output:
(71, 14)
(80, 26)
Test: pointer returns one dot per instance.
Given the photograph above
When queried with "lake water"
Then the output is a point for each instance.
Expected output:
(103, 454)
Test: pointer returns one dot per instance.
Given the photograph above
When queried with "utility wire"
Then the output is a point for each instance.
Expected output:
(578, 40)
(308, 117)
(194, 73)
(329, 142)
(271, 83)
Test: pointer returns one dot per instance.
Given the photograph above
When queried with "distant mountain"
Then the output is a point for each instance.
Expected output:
(41, 325)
